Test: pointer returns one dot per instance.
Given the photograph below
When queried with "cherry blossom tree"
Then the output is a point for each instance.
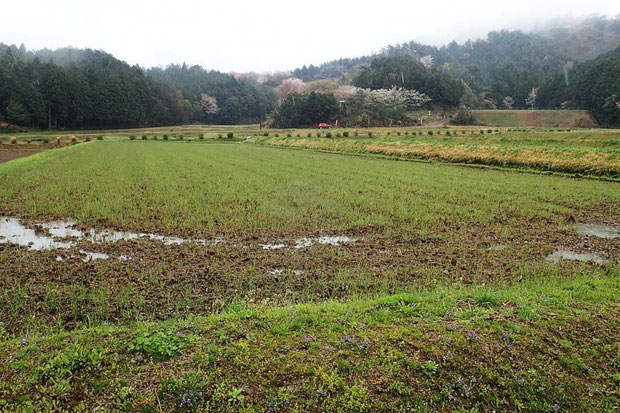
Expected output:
(288, 86)
(209, 104)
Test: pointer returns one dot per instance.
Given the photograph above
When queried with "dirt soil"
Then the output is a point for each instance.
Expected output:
(7, 155)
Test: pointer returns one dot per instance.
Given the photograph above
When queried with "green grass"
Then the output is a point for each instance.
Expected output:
(422, 312)
(238, 190)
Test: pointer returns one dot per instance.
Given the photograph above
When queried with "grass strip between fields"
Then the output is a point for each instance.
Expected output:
(545, 344)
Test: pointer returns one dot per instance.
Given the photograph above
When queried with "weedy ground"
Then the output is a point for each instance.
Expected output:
(444, 301)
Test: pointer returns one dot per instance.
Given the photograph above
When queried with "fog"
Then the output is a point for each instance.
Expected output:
(268, 35)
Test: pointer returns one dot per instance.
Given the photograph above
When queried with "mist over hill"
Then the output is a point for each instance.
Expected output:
(84, 88)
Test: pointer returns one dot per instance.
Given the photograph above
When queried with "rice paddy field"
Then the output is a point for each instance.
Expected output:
(473, 270)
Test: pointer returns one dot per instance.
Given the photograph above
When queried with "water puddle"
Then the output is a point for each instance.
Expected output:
(91, 256)
(598, 230)
(336, 240)
(306, 242)
(278, 271)
(272, 246)
(68, 229)
(570, 255)
(66, 234)
(13, 232)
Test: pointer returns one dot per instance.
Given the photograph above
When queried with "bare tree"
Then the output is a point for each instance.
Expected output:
(209, 104)
(531, 98)
(508, 102)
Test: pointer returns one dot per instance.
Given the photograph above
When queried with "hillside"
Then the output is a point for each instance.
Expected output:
(536, 118)
(506, 63)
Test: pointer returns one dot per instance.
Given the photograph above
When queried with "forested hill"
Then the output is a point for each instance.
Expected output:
(72, 88)
(506, 63)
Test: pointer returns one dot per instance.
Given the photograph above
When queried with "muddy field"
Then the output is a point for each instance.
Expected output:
(132, 272)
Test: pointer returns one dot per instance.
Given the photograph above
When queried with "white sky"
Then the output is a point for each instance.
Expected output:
(267, 35)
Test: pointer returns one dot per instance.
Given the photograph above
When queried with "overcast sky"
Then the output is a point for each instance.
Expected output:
(267, 35)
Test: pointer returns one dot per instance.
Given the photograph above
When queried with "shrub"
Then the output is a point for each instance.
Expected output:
(219, 136)
(100, 137)
(357, 133)
(464, 117)
(298, 135)
(87, 139)
(201, 136)
(338, 134)
(430, 132)
(328, 135)
(482, 132)
(230, 135)
(489, 130)
(370, 134)
(389, 133)
(132, 137)
(448, 133)
(165, 136)
(398, 133)
(277, 135)
(345, 134)
(180, 137)
(154, 137)
(288, 135)
(45, 140)
(144, 137)
(73, 139)
(318, 134)
(266, 134)
(13, 140)
(309, 134)
(58, 140)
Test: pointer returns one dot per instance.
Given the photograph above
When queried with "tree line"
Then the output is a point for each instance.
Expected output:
(76, 89)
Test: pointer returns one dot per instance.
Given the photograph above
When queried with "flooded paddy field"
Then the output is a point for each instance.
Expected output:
(371, 271)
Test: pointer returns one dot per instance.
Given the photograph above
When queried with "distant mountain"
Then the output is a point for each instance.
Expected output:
(506, 63)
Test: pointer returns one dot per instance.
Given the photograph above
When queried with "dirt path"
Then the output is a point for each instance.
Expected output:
(7, 155)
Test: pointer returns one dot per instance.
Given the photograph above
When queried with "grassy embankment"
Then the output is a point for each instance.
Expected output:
(536, 118)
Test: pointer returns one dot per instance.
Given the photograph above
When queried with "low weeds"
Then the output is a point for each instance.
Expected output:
(162, 345)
